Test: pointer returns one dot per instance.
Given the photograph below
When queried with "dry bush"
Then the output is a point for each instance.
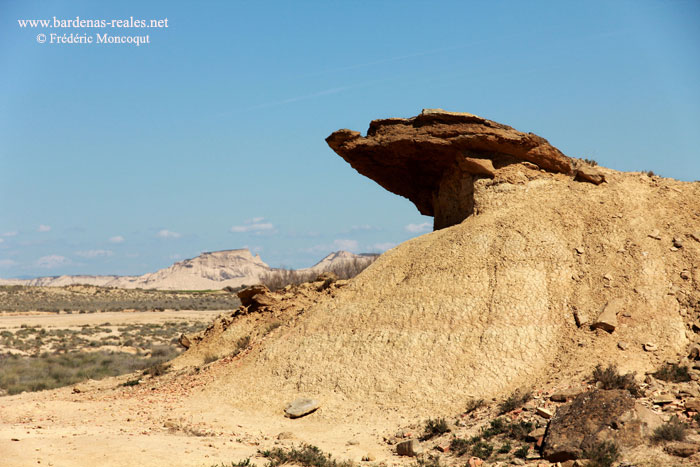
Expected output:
(280, 278)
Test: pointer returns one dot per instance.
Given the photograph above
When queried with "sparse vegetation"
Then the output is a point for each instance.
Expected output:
(305, 456)
(673, 430)
(91, 299)
(590, 162)
(602, 454)
(522, 451)
(48, 371)
(473, 405)
(649, 173)
(37, 358)
(673, 372)
(280, 278)
(435, 427)
(514, 401)
(610, 378)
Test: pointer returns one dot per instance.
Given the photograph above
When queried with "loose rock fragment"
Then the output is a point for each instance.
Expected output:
(409, 448)
(608, 318)
(300, 407)
(650, 347)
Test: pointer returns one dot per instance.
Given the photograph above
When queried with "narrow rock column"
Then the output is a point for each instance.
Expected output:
(453, 201)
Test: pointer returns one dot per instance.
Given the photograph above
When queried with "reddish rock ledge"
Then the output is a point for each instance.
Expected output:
(433, 159)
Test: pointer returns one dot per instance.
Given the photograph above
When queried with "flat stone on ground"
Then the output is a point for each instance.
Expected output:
(300, 407)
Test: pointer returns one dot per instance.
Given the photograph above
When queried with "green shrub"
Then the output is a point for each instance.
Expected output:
(435, 427)
(602, 454)
(305, 456)
(610, 378)
(673, 372)
(522, 451)
(514, 401)
(482, 450)
(673, 430)
(473, 404)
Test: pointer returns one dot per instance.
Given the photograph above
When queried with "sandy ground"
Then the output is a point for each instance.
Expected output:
(164, 421)
(160, 423)
(65, 320)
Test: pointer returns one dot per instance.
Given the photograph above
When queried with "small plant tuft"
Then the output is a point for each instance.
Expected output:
(672, 430)
(435, 427)
(482, 450)
(610, 378)
(602, 454)
(673, 372)
(305, 456)
(473, 404)
(131, 382)
(590, 162)
(514, 401)
(522, 451)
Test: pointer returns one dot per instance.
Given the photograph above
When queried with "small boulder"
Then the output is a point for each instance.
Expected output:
(285, 435)
(623, 345)
(596, 416)
(650, 347)
(693, 405)
(184, 341)
(587, 173)
(410, 448)
(300, 407)
(246, 295)
(678, 242)
(544, 412)
(369, 457)
(607, 320)
(681, 449)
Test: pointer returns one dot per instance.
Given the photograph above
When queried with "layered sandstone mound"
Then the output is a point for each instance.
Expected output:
(502, 301)
(434, 158)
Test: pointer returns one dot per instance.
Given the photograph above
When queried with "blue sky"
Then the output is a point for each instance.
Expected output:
(116, 159)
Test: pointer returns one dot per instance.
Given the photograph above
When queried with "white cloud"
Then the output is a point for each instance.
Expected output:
(43, 228)
(7, 263)
(52, 261)
(383, 246)
(94, 253)
(116, 239)
(11, 233)
(168, 234)
(417, 228)
(344, 244)
(255, 224)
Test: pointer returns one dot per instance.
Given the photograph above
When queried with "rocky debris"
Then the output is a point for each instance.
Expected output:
(184, 341)
(678, 242)
(285, 435)
(544, 412)
(300, 407)
(587, 173)
(655, 235)
(256, 297)
(607, 320)
(693, 405)
(433, 159)
(682, 449)
(536, 434)
(695, 236)
(650, 347)
(622, 345)
(596, 416)
(685, 275)
(475, 462)
(410, 448)
(369, 457)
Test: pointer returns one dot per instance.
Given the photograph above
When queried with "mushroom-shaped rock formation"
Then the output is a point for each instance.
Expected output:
(433, 158)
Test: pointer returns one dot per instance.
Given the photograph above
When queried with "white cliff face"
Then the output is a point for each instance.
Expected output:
(210, 270)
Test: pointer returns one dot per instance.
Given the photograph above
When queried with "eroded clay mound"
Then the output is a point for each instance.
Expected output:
(488, 306)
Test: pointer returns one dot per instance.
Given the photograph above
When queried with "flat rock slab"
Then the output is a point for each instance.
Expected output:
(300, 407)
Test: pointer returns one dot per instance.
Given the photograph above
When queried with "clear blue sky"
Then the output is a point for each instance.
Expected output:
(120, 159)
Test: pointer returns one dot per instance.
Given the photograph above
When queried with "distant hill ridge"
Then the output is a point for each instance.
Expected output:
(209, 270)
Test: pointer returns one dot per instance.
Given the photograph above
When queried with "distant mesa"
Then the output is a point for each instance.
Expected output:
(209, 271)
(434, 158)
